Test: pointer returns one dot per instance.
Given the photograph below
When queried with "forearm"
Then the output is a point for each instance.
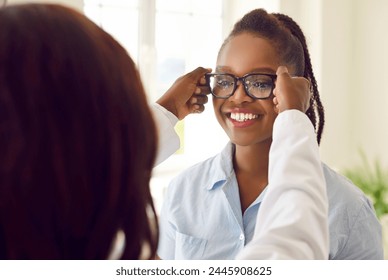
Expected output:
(292, 220)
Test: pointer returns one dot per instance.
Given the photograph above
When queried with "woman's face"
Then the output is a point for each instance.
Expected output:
(245, 54)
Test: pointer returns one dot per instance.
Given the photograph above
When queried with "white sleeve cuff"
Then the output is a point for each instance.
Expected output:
(168, 140)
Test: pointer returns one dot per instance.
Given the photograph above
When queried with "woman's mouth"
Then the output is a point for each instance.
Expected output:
(242, 120)
(243, 117)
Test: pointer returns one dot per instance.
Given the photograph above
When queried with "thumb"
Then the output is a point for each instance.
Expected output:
(282, 72)
(282, 79)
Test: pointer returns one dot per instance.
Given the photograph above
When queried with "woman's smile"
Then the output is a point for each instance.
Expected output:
(241, 118)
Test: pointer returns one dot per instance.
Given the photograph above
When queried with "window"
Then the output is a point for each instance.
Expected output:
(188, 34)
(119, 18)
(168, 38)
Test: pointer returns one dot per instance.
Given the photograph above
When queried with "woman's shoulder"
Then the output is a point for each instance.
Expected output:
(344, 196)
(339, 186)
(355, 232)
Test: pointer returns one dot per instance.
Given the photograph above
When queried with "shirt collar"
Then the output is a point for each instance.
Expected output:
(222, 167)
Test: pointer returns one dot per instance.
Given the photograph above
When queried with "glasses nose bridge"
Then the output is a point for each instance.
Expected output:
(240, 81)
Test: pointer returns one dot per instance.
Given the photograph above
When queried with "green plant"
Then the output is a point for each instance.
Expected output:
(373, 181)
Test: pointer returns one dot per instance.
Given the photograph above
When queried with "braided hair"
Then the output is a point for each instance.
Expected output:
(289, 41)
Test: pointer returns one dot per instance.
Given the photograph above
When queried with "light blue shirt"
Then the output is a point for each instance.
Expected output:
(202, 219)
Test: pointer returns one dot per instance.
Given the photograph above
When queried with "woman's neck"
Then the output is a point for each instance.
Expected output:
(252, 159)
(251, 169)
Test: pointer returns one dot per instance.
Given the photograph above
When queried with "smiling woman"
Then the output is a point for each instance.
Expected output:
(211, 208)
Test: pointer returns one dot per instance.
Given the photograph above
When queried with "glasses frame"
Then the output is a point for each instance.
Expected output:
(242, 79)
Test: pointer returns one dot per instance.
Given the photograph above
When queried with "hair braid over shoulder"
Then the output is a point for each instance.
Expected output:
(316, 111)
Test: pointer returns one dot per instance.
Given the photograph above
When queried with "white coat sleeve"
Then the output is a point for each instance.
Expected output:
(292, 220)
(168, 140)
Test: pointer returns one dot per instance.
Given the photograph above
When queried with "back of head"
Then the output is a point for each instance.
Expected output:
(288, 40)
(77, 140)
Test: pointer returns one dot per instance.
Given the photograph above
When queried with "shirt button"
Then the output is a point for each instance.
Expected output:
(242, 236)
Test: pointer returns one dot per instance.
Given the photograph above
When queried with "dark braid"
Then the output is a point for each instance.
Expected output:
(316, 111)
(289, 41)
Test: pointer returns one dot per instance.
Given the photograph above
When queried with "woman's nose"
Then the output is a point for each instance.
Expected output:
(240, 95)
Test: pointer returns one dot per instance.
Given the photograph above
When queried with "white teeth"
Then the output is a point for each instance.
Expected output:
(241, 117)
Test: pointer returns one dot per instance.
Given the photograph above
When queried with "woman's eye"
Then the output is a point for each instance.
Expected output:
(224, 83)
(261, 85)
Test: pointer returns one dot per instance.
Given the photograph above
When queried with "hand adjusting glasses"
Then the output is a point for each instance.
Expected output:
(256, 85)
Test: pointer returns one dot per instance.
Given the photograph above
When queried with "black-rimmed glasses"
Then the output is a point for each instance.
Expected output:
(256, 85)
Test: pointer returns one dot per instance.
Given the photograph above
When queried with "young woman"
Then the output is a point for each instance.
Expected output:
(210, 209)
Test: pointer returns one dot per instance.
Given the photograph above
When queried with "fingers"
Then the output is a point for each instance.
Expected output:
(290, 92)
(197, 102)
(198, 99)
(197, 79)
(276, 103)
(177, 98)
(194, 82)
(283, 77)
(202, 89)
(197, 108)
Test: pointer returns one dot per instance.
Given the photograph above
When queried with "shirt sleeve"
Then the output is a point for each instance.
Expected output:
(292, 222)
(364, 239)
(168, 140)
